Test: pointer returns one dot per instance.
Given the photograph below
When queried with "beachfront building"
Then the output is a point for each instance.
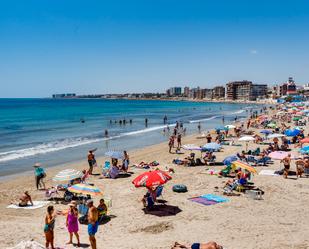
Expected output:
(174, 91)
(245, 90)
(288, 88)
(64, 95)
(186, 91)
(218, 92)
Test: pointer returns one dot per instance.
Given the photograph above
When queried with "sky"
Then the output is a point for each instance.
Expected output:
(89, 47)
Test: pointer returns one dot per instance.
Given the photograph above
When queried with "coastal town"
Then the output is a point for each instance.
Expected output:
(240, 91)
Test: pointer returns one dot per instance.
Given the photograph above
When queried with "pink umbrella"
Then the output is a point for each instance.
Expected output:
(279, 155)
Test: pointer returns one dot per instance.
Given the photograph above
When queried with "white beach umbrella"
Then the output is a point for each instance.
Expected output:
(68, 174)
(230, 126)
(275, 135)
(191, 147)
(246, 138)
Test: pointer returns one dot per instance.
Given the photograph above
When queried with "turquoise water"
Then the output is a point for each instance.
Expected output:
(50, 130)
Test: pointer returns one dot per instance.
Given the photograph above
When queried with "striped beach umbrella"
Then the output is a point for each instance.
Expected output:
(68, 174)
(85, 189)
(242, 165)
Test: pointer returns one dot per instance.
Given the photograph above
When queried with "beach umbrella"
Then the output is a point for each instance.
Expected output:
(279, 155)
(230, 127)
(68, 175)
(275, 135)
(211, 146)
(246, 138)
(191, 147)
(220, 128)
(228, 160)
(151, 179)
(292, 133)
(305, 140)
(115, 154)
(304, 150)
(242, 165)
(266, 132)
(85, 189)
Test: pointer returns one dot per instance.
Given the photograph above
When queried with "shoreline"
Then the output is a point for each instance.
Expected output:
(273, 214)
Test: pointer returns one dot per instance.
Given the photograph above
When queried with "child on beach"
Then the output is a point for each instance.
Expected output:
(49, 227)
(72, 223)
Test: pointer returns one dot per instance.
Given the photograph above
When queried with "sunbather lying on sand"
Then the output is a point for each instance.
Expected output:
(209, 245)
(24, 200)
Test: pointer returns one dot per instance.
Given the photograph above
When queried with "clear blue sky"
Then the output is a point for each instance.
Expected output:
(136, 46)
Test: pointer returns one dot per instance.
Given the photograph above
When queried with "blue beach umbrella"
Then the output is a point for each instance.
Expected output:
(115, 154)
(266, 132)
(292, 133)
(211, 146)
(228, 160)
(304, 150)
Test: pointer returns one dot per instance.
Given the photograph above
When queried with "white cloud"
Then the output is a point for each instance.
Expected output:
(253, 51)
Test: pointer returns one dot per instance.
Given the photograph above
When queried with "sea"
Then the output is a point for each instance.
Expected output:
(58, 131)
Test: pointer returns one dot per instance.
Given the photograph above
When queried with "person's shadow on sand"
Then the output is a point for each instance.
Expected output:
(163, 210)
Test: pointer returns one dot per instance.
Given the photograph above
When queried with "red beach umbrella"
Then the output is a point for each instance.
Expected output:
(305, 140)
(151, 179)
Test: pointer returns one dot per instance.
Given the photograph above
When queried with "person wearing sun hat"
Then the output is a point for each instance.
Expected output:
(72, 223)
(39, 175)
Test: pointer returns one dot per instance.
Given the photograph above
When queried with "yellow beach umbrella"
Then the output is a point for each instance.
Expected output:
(239, 164)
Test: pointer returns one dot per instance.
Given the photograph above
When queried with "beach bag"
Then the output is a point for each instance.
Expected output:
(180, 188)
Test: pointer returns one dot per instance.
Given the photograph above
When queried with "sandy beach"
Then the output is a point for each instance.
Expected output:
(278, 221)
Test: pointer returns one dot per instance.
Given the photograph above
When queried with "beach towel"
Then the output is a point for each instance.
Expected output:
(268, 172)
(209, 199)
(36, 204)
(215, 198)
(203, 201)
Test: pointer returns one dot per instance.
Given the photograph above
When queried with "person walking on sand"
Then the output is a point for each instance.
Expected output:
(72, 223)
(39, 176)
(93, 223)
(49, 227)
(91, 161)
(286, 163)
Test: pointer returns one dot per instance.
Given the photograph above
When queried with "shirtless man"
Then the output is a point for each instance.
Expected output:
(286, 163)
(93, 223)
(209, 245)
(24, 199)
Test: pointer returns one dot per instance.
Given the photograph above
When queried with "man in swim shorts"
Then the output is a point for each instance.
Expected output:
(93, 223)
